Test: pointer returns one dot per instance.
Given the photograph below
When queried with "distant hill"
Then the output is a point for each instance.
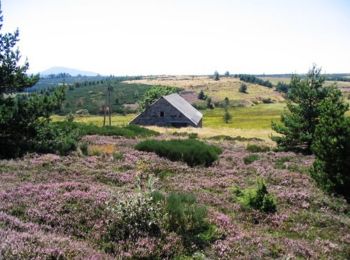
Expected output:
(72, 72)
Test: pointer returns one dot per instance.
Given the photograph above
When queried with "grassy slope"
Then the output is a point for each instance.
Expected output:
(218, 90)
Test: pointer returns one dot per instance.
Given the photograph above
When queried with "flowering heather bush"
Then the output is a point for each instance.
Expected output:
(191, 151)
(69, 207)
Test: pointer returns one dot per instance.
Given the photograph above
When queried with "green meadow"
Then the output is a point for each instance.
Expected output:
(255, 117)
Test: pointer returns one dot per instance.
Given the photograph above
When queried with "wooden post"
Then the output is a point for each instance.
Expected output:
(109, 104)
(104, 115)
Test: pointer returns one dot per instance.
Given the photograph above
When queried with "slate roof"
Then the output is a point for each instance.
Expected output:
(184, 107)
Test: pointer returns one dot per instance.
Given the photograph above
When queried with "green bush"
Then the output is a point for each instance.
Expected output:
(129, 131)
(184, 216)
(250, 158)
(257, 148)
(191, 151)
(257, 198)
(56, 138)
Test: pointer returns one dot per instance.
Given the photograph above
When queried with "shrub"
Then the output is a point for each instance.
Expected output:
(250, 158)
(58, 138)
(84, 148)
(129, 131)
(267, 101)
(201, 95)
(257, 148)
(191, 151)
(257, 198)
(243, 88)
(185, 217)
(135, 216)
(192, 135)
(117, 156)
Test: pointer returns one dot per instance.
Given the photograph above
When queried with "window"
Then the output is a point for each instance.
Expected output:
(161, 114)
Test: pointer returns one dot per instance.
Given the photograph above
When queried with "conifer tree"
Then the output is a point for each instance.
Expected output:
(299, 122)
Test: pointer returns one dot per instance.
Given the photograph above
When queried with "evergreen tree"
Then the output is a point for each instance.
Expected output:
(201, 95)
(298, 124)
(227, 116)
(13, 77)
(216, 75)
(20, 115)
(331, 145)
(210, 105)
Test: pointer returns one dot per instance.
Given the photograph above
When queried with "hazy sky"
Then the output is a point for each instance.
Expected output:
(182, 36)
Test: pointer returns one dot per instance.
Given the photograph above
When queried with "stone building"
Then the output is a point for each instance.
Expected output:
(171, 110)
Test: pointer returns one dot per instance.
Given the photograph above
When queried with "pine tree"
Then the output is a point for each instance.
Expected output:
(298, 124)
(331, 145)
(20, 115)
(13, 77)
(216, 75)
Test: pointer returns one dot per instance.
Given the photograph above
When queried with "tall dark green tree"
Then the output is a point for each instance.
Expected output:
(20, 114)
(331, 145)
(299, 122)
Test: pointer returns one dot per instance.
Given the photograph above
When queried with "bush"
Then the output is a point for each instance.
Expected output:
(243, 88)
(129, 131)
(136, 216)
(185, 217)
(60, 138)
(267, 101)
(257, 198)
(257, 148)
(250, 158)
(191, 151)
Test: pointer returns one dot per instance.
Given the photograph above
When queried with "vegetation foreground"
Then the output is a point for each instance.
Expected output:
(82, 206)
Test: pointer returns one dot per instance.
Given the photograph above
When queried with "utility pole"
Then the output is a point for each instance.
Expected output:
(110, 88)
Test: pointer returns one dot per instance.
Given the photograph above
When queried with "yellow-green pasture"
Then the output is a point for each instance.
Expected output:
(246, 121)
(117, 120)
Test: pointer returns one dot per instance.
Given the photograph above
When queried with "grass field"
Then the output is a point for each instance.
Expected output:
(247, 121)
(217, 90)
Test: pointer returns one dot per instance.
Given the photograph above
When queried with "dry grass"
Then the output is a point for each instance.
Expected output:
(217, 90)
(98, 149)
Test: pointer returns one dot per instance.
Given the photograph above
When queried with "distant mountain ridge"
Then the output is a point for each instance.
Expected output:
(72, 72)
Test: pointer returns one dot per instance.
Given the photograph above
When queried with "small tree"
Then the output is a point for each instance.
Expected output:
(298, 124)
(216, 75)
(227, 116)
(243, 88)
(153, 94)
(331, 145)
(201, 95)
(227, 74)
(226, 102)
(209, 103)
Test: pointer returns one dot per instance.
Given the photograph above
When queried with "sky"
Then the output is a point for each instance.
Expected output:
(153, 37)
